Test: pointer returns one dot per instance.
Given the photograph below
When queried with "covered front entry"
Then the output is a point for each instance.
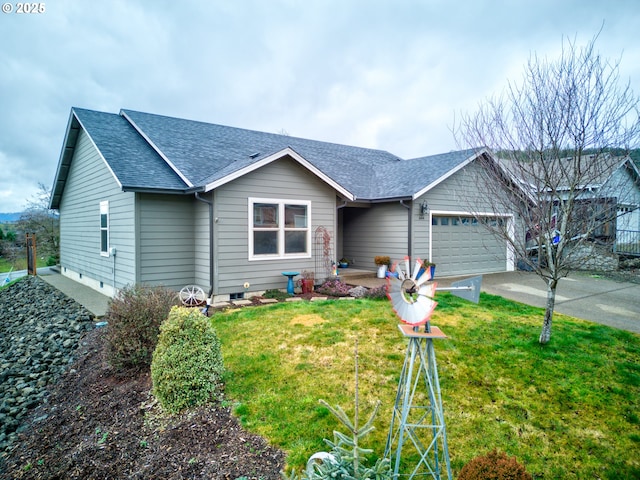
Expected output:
(461, 246)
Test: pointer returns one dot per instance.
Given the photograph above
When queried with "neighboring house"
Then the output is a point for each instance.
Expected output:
(606, 190)
(623, 186)
(151, 199)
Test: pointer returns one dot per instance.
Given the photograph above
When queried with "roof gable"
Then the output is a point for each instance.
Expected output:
(134, 165)
(222, 177)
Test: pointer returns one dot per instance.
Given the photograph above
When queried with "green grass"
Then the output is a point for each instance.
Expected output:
(19, 264)
(568, 409)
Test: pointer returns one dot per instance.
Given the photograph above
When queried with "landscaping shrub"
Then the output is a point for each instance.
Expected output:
(334, 288)
(187, 367)
(277, 294)
(494, 466)
(377, 293)
(134, 317)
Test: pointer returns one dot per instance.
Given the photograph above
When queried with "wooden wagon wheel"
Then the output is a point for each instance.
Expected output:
(192, 296)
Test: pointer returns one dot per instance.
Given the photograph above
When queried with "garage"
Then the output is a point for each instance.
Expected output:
(462, 246)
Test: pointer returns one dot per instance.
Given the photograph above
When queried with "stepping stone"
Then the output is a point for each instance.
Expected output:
(242, 302)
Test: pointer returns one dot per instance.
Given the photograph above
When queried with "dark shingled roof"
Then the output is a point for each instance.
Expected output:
(206, 152)
(408, 177)
(132, 160)
(158, 153)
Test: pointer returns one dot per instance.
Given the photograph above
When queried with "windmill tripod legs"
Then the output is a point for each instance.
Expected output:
(417, 435)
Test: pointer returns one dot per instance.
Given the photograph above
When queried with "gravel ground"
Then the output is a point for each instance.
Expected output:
(39, 332)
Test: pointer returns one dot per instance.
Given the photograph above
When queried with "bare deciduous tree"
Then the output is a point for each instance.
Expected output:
(560, 139)
(43, 222)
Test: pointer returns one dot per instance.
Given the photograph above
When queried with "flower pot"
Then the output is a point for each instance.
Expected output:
(382, 271)
(307, 285)
(432, 271)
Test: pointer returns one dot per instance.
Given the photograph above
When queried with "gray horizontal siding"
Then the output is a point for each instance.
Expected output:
(282, 179)
(201, 245)
(89, 182)
(377, 230)
(166, 254)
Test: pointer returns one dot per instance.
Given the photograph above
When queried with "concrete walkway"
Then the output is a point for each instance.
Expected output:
(93, 301)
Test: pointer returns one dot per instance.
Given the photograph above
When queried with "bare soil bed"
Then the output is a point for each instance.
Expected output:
(96, 425)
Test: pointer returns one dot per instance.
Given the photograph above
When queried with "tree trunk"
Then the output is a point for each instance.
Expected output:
(545, 335)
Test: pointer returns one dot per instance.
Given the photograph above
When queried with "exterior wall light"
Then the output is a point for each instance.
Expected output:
(424, 209)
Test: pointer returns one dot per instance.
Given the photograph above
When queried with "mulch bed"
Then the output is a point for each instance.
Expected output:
(97, 425)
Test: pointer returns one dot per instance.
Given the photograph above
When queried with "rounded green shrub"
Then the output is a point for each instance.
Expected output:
(133, 324)
(187, 367)
(494, 466)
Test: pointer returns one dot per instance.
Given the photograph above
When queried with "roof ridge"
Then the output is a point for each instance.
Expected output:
(261, 132)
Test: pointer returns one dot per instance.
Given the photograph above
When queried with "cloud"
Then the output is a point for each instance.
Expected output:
(389, 75)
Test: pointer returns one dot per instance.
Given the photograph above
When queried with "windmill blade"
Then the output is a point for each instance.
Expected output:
(394, 290)
(428, 306)
(398, 270)
(407, 266)
(403, 311)
(419, 313)
(401, 274)
(428, 290)
(416, 269)
(396, 296)
(425, 277)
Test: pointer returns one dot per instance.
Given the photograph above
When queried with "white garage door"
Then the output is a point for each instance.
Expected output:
(461, 246)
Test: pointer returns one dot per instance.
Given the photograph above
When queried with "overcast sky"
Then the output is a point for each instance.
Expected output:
(382, 74)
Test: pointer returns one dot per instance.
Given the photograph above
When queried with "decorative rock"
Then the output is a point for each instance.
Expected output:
(40, 328)
(358, 292)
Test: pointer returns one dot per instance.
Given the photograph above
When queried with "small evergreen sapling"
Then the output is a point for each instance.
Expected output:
(345, 459)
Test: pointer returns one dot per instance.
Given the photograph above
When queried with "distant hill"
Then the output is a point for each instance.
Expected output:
(10, 217)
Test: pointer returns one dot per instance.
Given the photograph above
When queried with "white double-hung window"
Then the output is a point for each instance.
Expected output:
(104, 228)
(279, 229)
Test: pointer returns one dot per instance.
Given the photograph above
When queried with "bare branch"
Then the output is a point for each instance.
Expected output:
(561, 139)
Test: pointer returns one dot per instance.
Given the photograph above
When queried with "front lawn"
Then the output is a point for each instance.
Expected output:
(569, 409)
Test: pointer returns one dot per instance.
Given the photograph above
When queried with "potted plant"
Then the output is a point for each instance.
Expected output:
(307, 281)
(343, 262)
(382, 261)
(431, 267)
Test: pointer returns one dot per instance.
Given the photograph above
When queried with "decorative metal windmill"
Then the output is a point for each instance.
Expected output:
(417, 423)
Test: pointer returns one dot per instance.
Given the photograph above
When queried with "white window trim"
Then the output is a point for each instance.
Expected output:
(281, 229)
(104, 208)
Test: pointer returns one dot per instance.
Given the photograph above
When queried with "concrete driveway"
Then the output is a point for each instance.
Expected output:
(616, 304)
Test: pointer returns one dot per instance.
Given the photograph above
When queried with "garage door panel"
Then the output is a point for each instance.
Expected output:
(462, 247)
